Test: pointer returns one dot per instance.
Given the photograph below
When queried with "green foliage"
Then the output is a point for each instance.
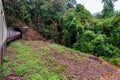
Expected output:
(73, 21)
(36, 12)
(82, 14)
(5, 59)
(22, 71)
(83, 42)
(69, 32)
(35, 77)
(100, 37)
(115, 30)
(51, 32)
(108, 8)
(116, 61)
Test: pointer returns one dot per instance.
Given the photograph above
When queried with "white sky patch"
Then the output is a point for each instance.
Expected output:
(117, 5)
(95, 6)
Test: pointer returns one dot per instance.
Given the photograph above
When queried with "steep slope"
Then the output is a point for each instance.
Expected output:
(38, 60)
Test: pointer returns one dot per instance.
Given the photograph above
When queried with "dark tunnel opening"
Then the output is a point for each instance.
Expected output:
(18, 30)
(13, 34)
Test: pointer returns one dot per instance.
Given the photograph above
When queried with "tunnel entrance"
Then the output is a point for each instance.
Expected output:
(18, 30)
(13, 34)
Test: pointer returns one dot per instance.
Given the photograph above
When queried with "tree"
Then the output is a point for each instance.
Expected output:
(82, 14)
(108, 8)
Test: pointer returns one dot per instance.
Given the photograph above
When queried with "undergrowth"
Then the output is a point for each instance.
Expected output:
(29, 64)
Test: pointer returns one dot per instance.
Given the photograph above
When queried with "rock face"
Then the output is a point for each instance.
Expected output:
(32, 35)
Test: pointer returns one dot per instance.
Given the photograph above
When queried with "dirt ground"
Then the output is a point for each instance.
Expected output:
(84, 67)
(33, 35)
(80, 66)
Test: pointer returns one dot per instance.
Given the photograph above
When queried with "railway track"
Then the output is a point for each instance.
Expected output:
(11, 36)
(7, 35)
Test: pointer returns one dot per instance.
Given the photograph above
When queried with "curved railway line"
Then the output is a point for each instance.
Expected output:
(12, 34)
(8, 34)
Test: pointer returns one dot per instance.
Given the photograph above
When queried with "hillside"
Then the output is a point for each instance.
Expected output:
(38, 60)
(73, 27)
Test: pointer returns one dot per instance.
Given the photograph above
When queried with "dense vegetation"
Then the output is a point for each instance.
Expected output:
(71, 25)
